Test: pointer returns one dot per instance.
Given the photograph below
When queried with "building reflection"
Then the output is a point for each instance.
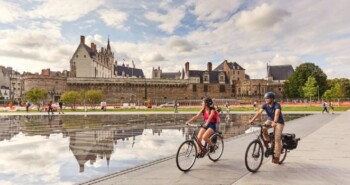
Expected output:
(95, 138)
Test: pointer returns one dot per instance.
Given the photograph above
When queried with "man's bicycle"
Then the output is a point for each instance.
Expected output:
(255, 151)
(187, 153)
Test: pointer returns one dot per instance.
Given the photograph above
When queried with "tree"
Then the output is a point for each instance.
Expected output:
(334, 92)
(310, 88)
(93, 96)
(296, 81)
(36, 95)
(344, 85)
(70, 98)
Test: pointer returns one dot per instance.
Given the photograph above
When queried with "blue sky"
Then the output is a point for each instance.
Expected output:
(38, 34)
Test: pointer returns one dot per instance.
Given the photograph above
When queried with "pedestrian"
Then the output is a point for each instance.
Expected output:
(331, 107)
(254, 105)
(50, 108)
(60, 104)
(27, 106)
(325, 105)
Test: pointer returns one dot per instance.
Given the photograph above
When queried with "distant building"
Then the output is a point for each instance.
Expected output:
(10, 81)
(158, 74)
(88, 62)
(276, 76)
(124, 71)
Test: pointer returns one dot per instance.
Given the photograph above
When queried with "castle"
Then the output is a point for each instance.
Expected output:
(96, 69)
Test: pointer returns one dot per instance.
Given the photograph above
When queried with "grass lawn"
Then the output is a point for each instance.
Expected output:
(195, 109)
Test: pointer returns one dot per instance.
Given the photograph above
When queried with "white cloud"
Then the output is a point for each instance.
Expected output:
(152, 57)
(261, 17)
(208, 10)
(64, 10)
(180, 45)
(113, 18)
(170, 21)
(9, 12)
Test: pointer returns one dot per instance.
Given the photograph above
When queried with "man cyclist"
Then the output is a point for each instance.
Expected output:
(275, 119)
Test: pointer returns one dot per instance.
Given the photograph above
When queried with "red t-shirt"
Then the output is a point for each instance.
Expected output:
(207, 114)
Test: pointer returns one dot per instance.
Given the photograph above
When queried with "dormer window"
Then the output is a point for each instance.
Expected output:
(206, 78)
(221, 78)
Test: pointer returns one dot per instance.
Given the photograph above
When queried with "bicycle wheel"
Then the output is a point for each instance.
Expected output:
(218, 142)
(186, 155)
(254, 156)
(283, 155)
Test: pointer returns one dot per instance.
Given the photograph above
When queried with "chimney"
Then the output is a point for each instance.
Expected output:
(209, 66)
(93, 47)
(187, 66)
(82, 39)
(226, 67)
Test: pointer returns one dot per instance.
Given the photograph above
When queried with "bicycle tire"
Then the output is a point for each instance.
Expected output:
(219, 148)
(257, 155)
(283, 155)
(188, 150)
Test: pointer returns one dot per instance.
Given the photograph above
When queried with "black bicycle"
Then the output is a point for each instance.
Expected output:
(255, 151)
(187, 153)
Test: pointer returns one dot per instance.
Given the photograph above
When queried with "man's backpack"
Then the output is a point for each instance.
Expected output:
(289, 141)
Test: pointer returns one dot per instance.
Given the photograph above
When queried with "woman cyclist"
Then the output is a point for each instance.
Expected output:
(209, 128)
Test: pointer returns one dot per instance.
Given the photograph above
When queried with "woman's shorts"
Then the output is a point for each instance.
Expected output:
(211, 125)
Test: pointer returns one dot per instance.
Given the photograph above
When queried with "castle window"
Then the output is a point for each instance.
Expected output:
(84, 56)
(206, 88)
(206, 78)
(76, 56)
(222, 88)
(194, 88)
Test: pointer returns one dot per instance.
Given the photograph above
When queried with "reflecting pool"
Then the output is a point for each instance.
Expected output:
(70, 149)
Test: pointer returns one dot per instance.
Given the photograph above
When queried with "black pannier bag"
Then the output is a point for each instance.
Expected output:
(289, 141)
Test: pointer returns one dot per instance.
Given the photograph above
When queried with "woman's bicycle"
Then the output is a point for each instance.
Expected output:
(187, 153)
(255, 151)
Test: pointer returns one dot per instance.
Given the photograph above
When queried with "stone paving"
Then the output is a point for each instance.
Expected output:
(322, 157)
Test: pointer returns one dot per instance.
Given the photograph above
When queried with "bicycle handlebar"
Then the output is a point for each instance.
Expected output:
(194, 125)
(260, 125)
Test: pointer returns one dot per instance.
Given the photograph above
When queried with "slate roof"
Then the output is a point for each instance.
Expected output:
(232, 65)
(170, 75)
(128, 71)
(280, 72)
(90, 51)
(213, 76)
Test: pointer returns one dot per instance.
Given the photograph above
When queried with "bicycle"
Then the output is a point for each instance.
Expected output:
(255, 149)
(187, 153)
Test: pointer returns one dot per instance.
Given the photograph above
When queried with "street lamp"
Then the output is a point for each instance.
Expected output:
(318, 93)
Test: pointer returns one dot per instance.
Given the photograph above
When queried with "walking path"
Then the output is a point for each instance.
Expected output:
(322, 157)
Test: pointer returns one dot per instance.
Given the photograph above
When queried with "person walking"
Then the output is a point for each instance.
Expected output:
(325, 106)
(60, 104)
(50, 108)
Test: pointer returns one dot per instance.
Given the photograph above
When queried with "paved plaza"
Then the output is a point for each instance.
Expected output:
(322, 157)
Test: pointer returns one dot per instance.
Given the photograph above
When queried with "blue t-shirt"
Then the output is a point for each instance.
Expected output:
(270, 111)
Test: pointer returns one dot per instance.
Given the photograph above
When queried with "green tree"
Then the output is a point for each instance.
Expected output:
(296, 81)
(93, 96)
(310, 88)
(70, 98)
(334, 92)
(344, 85)
(35, 95)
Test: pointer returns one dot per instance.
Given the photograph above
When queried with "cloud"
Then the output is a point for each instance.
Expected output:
(113, 18)
(9, 12)
(208, 10)
(64, 10)
(261, 17)
(180, 45)
(152, 57)
(169, 21)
